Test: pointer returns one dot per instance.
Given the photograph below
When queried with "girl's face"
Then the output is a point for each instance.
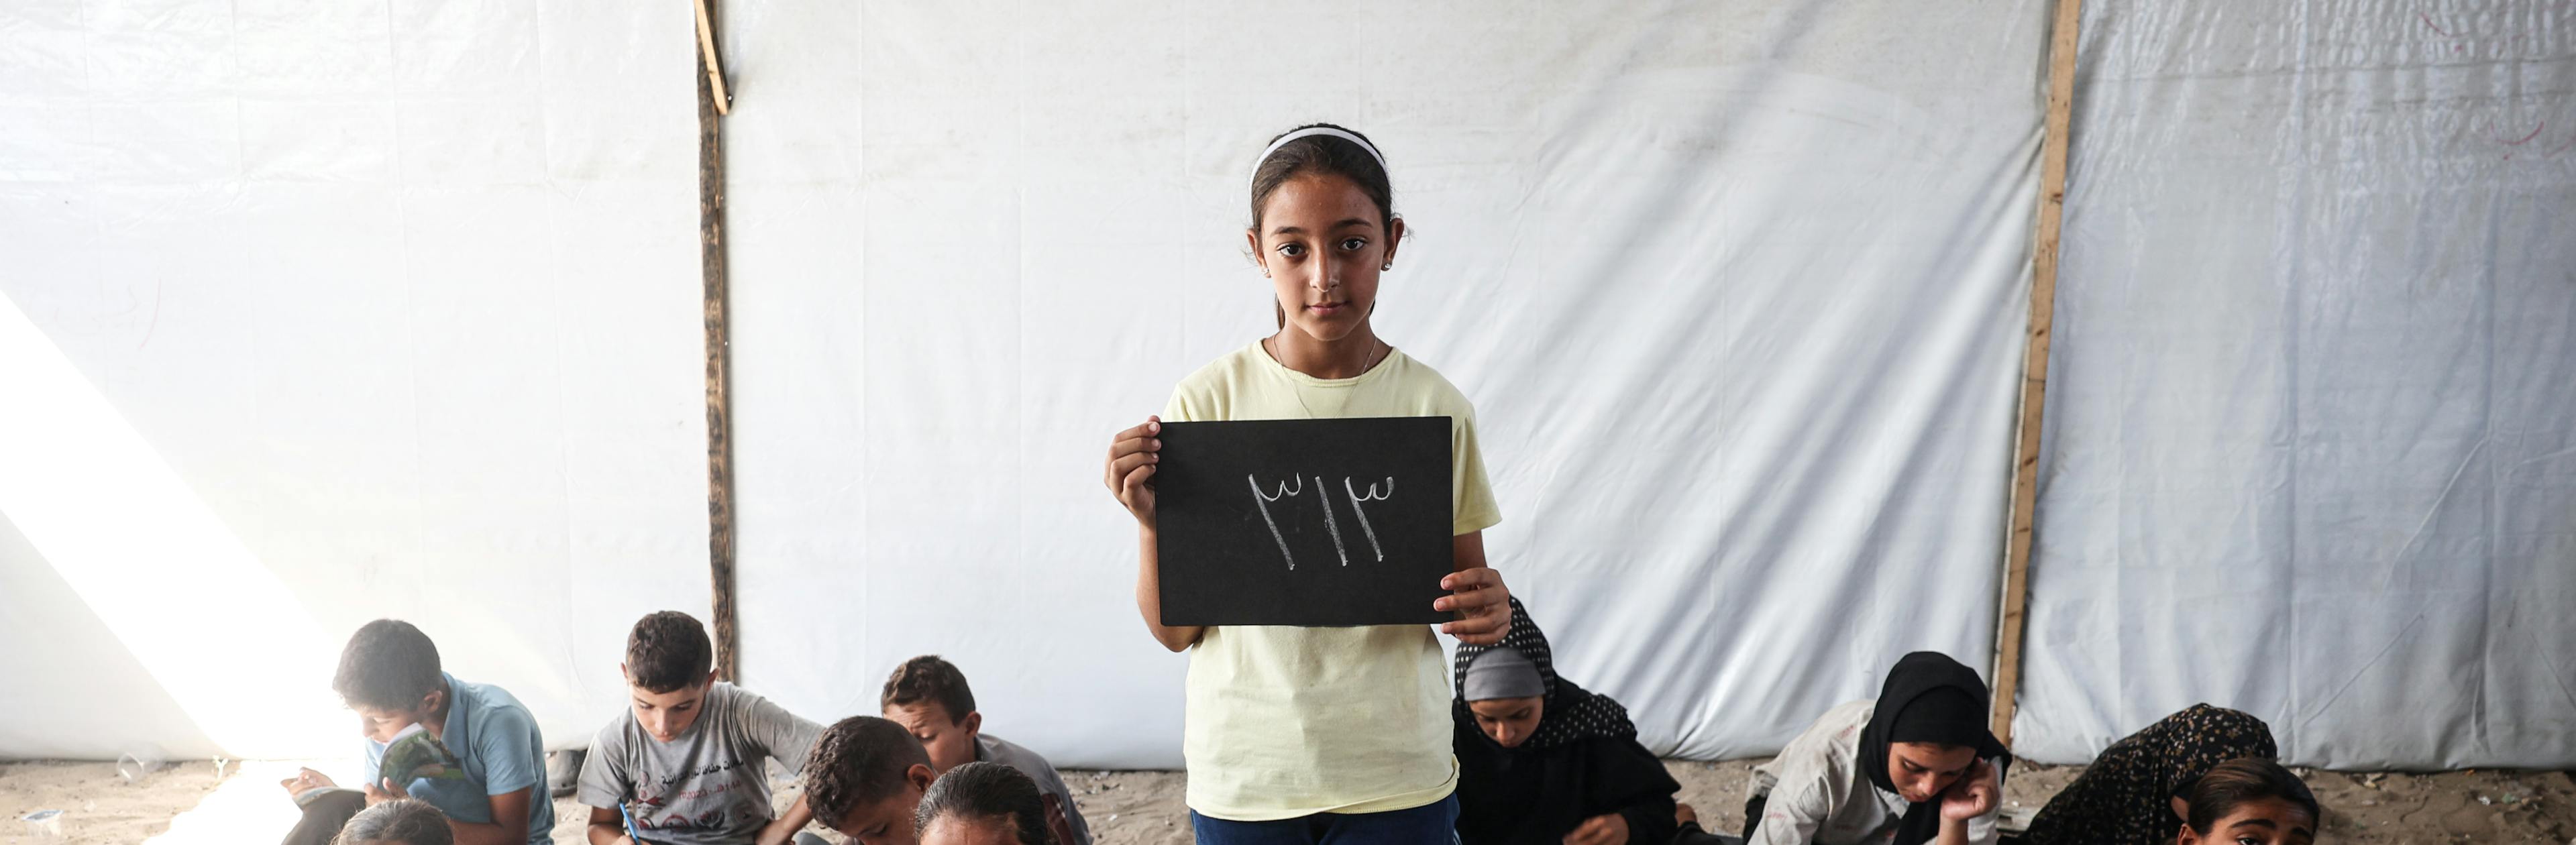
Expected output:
(2263, 821)
(1508, 721)
(1922, 770)
(1322, 246)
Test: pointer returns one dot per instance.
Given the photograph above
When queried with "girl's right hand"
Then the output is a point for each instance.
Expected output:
(1973, 795)
(1130, 474)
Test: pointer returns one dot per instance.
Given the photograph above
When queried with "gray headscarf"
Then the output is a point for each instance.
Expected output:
(1501, 673)
(1572, 713)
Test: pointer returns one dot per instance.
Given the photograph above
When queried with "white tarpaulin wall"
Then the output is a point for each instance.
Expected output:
(312, 313)
(1735, 288)
(392, 309)
(316, 312)
(2309, 442)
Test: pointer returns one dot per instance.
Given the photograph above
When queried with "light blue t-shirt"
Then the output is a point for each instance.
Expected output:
(495, 741)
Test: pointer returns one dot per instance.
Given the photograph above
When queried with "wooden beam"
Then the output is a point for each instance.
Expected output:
(707, 62)
(2034, 367)
(711, 267)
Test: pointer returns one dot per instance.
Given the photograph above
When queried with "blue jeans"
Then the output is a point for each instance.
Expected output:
(1429, 824)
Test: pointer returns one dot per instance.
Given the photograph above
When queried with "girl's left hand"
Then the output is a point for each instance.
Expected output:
(1611, 829)
(1482, 603)
(1974, 794)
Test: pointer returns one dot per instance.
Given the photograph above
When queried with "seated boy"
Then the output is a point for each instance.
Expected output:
(928, 696)
(684, 763)
(390, 675)
(865, 779)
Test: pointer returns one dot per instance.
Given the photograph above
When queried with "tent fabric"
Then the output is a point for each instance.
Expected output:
(1734, 289)
(2308, 450)
(315, 313)
(1723, 283)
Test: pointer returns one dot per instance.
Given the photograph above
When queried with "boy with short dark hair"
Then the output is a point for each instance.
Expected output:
(684, 764)
(929, 697)
(389, 673)
(865, 779)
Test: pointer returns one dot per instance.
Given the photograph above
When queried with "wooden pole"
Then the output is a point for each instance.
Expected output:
(2034, 367)
(707, 63)
(711, 266)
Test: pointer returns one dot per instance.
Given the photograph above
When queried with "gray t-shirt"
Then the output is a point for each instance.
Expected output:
(994, 749)
(707, 786)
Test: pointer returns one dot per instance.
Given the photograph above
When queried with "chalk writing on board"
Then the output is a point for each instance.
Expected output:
(1295, 486)
(1263, 500)
(1374, 495)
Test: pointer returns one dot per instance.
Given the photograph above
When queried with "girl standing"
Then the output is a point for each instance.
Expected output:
(1291, 734)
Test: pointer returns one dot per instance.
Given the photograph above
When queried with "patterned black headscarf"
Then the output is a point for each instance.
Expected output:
(1570, 714)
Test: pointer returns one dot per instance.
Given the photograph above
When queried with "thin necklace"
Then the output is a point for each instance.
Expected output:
(1295, 391)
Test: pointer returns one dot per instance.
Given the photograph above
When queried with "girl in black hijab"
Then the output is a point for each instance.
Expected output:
(1915, 765)
(1540, 760)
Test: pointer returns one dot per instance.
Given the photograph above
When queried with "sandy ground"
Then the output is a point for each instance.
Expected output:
(191, 802)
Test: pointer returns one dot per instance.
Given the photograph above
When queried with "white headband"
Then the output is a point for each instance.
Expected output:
(1318, 130)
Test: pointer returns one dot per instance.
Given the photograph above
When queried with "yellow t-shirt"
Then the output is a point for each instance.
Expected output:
(1283, 722)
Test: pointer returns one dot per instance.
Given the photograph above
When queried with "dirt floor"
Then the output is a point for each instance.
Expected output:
(193, 802)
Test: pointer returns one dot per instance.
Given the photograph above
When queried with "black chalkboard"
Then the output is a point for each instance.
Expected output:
(1304, 522)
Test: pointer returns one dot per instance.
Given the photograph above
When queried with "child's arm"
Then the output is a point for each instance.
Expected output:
(1795, 810)
(1130, 475)
(607, 827)
(783, 829)
(605, 786)
(1969, 801)
(510, 814)
(514, 771)
(788, 739)
(1149, 597)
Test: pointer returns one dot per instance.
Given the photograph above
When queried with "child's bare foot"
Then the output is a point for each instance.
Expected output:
(1683, 814)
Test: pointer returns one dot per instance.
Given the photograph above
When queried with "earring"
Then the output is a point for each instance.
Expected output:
(1388, 266)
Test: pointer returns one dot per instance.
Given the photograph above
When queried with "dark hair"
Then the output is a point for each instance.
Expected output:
(928, 678)
(2237, 782)
(858, 760)
(389, 665)
(1323, 154)
(405, 820)
(987, 792)
(668, 650)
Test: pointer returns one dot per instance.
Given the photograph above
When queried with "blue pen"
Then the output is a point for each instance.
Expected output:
(630, 823)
